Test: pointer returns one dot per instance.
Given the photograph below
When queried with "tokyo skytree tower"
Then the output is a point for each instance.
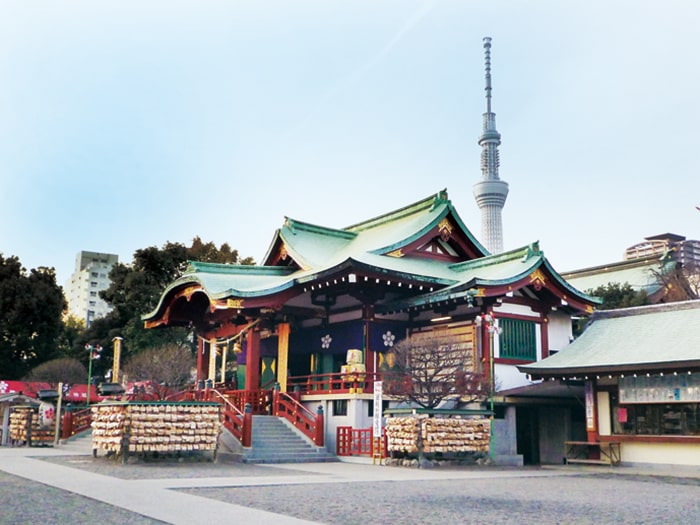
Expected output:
(490, 192)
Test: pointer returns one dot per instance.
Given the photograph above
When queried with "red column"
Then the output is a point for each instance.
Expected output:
(67, 425)
(544, 332)
(252, 365)
(320, 427)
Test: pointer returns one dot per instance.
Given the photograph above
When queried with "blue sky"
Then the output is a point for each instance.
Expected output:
(127, 124)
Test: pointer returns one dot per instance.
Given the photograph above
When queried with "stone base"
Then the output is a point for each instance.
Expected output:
(502, 460)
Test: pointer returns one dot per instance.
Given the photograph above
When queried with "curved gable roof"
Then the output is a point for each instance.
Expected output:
(312, 246)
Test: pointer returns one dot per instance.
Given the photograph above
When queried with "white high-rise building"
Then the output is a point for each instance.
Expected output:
(490, 192)
(91, 275)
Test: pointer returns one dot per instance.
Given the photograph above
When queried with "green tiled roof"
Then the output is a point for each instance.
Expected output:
(641, 338)
(638, 273)
(321, 251)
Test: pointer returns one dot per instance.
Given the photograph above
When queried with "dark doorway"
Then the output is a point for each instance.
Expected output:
(528, 438)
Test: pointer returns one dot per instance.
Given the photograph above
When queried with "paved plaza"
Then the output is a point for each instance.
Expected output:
(66, 484)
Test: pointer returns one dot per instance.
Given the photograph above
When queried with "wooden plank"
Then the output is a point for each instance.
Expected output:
(590, 461)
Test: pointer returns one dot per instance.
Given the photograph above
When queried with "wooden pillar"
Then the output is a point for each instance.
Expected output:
(201, 359)
(252, 368)
(117, 359)
(224, 355)
(282, 355)
(212, 360)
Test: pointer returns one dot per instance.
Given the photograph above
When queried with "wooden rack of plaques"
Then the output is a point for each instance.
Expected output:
(121, 429)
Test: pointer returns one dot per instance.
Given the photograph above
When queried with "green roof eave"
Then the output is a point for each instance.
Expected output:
(212, 278)
(359, 265)
(662, 336)
(568, 287)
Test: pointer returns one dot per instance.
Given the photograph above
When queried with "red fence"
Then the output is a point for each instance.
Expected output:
(356, 442)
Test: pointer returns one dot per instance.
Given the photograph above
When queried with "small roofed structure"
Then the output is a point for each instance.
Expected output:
(7, 401)
(641, 370)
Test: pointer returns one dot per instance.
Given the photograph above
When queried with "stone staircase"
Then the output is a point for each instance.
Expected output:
(275, 441)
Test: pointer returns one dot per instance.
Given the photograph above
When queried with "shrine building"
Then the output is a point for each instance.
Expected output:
(289, 322)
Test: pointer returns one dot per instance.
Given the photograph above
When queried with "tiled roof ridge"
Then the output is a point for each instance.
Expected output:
(628, 263)
(227, 268)
(427, 203)
(295, 225)
(524, 253)
(646, 309)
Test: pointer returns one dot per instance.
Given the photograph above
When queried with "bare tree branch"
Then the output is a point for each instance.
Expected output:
(429, 368)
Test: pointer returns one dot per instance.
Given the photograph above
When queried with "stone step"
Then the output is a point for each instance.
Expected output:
(273, 441)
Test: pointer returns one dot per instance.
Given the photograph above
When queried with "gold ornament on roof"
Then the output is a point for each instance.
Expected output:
(445, 229)
(234, 303)
(537, 279)
(396, 253)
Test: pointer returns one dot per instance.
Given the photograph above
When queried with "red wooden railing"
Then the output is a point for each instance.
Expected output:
(310, 424)
(356, 442)
(336, 383)
(236, 421)
(75, 421)
(260, 400)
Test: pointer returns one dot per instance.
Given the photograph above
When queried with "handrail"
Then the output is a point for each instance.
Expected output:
(310, 424)
(237, 422)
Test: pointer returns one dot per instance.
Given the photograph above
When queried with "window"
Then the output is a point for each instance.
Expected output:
(654, 419)
(93, 294)
(518, 339)
(340, 407)
(674, 419)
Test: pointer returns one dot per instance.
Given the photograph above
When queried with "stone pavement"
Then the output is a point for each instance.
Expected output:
(193, 492)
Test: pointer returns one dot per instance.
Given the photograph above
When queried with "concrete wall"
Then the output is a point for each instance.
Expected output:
(505, 440)
(554, 429)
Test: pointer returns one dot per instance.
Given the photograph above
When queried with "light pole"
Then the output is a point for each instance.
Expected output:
(492, 328)
(94, 353)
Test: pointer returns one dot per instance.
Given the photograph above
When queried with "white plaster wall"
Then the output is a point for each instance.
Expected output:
(507, 377)
(661, 453)
(356, 416)
(559, 330)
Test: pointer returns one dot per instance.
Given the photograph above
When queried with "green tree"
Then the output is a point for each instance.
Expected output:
(616, 295)
(31, 304)
(135, 290)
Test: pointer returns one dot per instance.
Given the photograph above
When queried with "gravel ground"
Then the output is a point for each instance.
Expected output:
(580, 499)
(587, 497)
(24, 502)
